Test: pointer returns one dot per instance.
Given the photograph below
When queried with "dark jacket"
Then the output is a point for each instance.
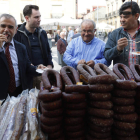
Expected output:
(61, 47)
(22, 37)
(111, 52)
(24, 66)
(57, 37)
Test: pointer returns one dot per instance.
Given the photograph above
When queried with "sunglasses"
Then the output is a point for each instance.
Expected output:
(125, 13)
(4, 26)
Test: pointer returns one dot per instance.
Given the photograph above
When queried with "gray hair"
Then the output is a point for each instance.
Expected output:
(62, 33)
(88, 20)
(78, 30)
(7, 16)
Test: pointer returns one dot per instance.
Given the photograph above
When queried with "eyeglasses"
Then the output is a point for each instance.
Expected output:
(87, 31)
(4, 26)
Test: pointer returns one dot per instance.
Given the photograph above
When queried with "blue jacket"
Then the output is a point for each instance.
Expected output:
(111, 52)
(22, 37)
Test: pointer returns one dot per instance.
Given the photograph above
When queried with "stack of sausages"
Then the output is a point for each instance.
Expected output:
(123, 100)
(74, 103)
(100, 113)
(51, 105)
(135, 69)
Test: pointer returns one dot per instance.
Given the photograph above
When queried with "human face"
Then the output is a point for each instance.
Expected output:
(62, 36)
(128, 21)
(34, 19)
(87, 31)
(8, 27)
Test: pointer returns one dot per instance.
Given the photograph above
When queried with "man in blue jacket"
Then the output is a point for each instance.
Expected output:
(121, 42)
(35, 39)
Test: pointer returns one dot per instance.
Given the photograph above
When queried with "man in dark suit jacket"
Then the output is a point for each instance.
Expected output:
(20, 65)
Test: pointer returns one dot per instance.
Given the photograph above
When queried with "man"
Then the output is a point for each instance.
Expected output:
(78, 33)
(14, 62)
(57, 36)
(118, 47)
(35, 39)
(85, 49)
(70, 34)
(61, 47)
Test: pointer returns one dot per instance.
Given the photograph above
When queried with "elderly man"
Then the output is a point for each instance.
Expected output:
(70, 34)
(14, 61)
(85, 49)
(78, 33)
(121, 42)
(61, 47)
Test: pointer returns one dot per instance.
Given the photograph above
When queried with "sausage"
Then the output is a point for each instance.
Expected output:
(126, 85)
(99, 129)
(77, 134)
(135, 68)
(133, 137)
(102, 69)
(73, 121)
(60, 138)
(53, 113)
(75, 106)
(79, 138)
(19, 120)
(74, 75)
(51, 77)
(74, 128)
(124, 109)
(93, 138)
(117, 68)
(122, 132)
(50, 121)
(126, 117)
(99, 96)
(99, 135)
(47, 96)
(124, 125)
(77, 88)
(73, 97)
(101, 113)
(124, 93)
(56, 134)
(50, 129)
(52, 105)
(138, 86)
(101, 87)
(86, 71)
(75, 113)
(123, 101)
(101, 122)
(102, 79)
(101, 104)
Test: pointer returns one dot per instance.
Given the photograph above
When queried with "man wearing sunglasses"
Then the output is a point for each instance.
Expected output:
(121, 42)
(35, 39)
(14, 62)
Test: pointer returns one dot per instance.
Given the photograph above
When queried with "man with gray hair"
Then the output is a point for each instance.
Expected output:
(14, 61)
(70, 34)
(85, 49)
(78, 33)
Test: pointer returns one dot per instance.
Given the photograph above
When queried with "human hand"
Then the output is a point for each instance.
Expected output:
(2, 39)
(49, 67)
(122, 43)
(91, 63)
(41, 67)
(82, 61)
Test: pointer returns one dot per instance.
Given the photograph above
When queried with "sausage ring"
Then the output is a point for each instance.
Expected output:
(77, 134)
(55, 135)
(75, 113)
(135, 68)
(133, 137)
(74, 128)
(89, 137)
(73, 121)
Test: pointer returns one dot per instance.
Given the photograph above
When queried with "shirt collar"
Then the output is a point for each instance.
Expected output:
(11, 43)
(27, 32)
(88, 42)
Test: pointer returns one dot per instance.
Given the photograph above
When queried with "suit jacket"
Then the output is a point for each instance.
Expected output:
(61, 47)
(24, 66)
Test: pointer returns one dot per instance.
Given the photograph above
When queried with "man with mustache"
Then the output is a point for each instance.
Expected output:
(14, 62)
(35, 39)
(85, 49)
(118, 48)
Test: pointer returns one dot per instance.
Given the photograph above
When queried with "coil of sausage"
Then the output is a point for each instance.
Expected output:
(73, 97)
(47, 96)
(74, 128)
(51, 77)
(56, 134)
(69, 75)
(75, 113)
(73, 121)
(122, 71)
(102, 69)
(101, 87)
(77, 134)
(133, 137)
(135, 69)
(91, 138)
(126, 85)
(101, 104)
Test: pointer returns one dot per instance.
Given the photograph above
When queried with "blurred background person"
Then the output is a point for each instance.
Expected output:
(70, 34)
(61, 47)
(78, 33)
(65, 32)
(57, 37)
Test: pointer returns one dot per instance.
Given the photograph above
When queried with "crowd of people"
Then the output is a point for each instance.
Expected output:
(25, 48)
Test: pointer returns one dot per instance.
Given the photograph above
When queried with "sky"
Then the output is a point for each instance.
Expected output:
(84, 4)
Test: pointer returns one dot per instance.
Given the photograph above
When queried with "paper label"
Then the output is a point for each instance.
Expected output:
(79, 83)
(83, 78)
